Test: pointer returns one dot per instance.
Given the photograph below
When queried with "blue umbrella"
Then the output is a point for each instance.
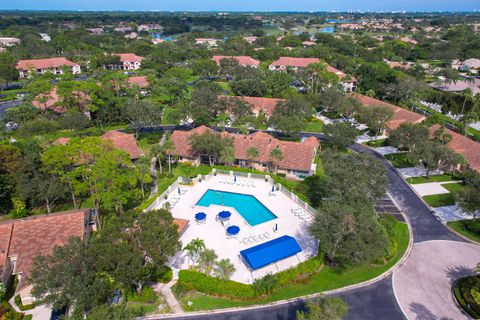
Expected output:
(224, 214)
(200, 216)
(233, 230)
(273, 188)
(178, 190)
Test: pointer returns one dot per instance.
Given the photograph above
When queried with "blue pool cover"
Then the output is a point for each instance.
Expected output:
(270, 252)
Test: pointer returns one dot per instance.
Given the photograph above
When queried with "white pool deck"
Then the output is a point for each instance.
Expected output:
(214, 234)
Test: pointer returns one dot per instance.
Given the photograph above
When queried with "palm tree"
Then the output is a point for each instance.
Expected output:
(252, 154)
(207, 260)
(168, 147)
(276, 155)
(224, 269)
(158, 152)
(194, 247)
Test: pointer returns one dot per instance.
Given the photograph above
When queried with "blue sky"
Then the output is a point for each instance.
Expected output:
(243, 5)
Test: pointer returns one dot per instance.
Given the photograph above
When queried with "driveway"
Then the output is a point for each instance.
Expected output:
(423, 284)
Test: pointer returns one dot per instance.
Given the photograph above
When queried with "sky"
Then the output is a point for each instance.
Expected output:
(243, 5)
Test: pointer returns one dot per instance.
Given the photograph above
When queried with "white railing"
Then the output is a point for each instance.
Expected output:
(162, 197)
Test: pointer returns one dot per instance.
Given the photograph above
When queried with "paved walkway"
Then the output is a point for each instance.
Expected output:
(423, 284)
(416, 172)
(41, 312)
(431, 188)
(451, 213)
(166, 291)
(386, 150)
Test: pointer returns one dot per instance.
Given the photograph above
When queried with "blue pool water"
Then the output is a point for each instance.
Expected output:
(248, 206)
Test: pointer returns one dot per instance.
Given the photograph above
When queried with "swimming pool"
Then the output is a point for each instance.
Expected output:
(252, 210)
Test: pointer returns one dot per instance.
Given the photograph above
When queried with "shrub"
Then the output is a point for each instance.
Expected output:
(265, 285)
(195, 281)
(148, 295)
(164, 274)
(3, 291)
(463, 292)
(300, 273)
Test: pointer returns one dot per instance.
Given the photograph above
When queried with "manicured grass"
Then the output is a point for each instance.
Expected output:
(475, 133)
(327, 279)
(467, 228)
(453, 187)
(439, 178)
(399, 160)
(440, 200)
(315, 125)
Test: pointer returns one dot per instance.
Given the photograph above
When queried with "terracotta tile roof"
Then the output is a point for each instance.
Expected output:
(400, 115)
(181, 224)
(242, 60)
(62, 141)
(460, 144)
(140, 81)
(44, 63)
(123, 141)
(267, 105)
(295, 62)
(341, 75)
(128, 57)
(308, 43)
(37, 235)
(297, 155)
(52, 101)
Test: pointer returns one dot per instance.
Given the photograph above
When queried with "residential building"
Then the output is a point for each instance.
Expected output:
(463, 145)
(298, 157)
(245, 61)
(402, 65)
(211, 42)
(409, 40)
(123, 141)
(129, 61)
(458, 86)
(24, 239)
(42, 66)
(259, 105)
(399, 117)
(284, 63)
(140, 81)
(50, 101)
(347, 82)
(8, 42)
(250, 39)
(119, 140)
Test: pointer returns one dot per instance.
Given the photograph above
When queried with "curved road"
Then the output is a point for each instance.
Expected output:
(374, 301)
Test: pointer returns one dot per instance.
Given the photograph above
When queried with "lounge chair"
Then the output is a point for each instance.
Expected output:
(267, 235)
(255, 238)
(261, 237)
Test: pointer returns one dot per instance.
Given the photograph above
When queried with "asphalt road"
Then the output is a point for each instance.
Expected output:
(8, 104)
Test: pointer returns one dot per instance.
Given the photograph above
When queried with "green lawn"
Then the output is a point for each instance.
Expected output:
(377, 143)
(224, 85)
(438, 178)
(467, 228)
(327, 279)
(315, 125)
(399, 160)
(474, 133)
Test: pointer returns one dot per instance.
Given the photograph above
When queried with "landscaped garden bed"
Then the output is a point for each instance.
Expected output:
(467, 294)
(399, 160)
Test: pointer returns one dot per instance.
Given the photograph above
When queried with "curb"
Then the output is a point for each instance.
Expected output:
(461, 235)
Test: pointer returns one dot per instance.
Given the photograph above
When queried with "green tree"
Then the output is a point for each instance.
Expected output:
(252, 155)
(207, 260)
(143, 173)
(204, 67)
(193, 248)
(407, 136)
(276, 156)
(67, 278)
(224, 269)
(8, 73)
(290, 116)
(140, 114)
(323, 308)
(348, 233)
(341, 135)
(203, 108)
(316, 78)
(375, 117)
(469, 200)
(210, 144)
(435, 156)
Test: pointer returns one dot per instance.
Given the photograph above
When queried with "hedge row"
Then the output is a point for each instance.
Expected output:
(189, 280)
